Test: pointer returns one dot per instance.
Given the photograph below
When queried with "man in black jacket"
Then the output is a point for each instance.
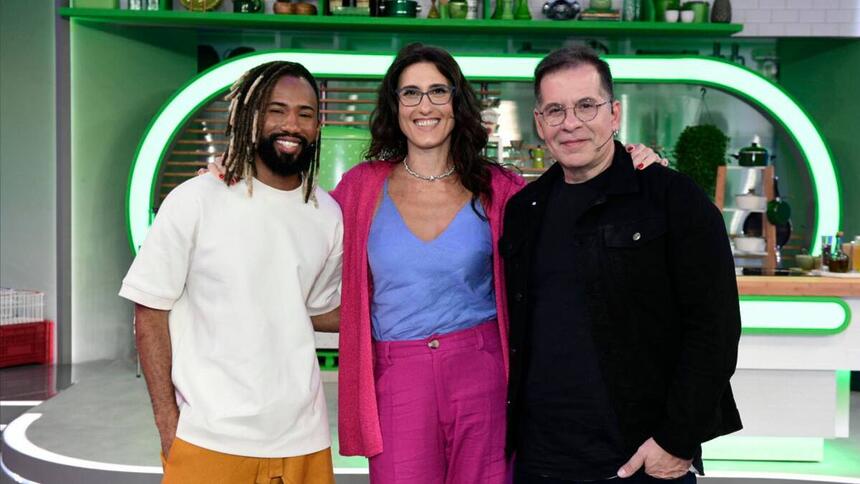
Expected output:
(622, 296)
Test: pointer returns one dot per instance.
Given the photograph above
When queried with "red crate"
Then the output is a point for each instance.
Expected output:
(27, 343)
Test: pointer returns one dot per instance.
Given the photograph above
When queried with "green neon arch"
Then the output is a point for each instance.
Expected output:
(741, 82)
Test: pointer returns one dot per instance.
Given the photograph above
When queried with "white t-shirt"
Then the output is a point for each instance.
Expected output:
(241, 275)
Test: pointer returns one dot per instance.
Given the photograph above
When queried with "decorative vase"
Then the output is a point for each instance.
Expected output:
(473, 9)
(721, 11)
(443, 9)
(504, 10)
(646, 11)
(434, 12)
(522, 10)
(630, 10)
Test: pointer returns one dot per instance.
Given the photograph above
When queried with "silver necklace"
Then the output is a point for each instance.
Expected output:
(428, 178)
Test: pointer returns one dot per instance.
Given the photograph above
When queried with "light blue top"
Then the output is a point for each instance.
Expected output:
(422, 289)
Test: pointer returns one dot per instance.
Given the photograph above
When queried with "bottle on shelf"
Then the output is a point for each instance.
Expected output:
(838, 257)
(855, 254)
(826, 248)
(630, 10)
(848, 247)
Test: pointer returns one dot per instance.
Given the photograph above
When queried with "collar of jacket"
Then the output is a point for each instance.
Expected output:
(622, 177)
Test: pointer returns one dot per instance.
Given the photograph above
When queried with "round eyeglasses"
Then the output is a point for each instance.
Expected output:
(585, 111)
(412, 96)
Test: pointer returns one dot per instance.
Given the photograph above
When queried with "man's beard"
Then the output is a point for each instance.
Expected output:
(286, 164)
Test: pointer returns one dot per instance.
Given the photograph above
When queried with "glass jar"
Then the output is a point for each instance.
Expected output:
(838, 257)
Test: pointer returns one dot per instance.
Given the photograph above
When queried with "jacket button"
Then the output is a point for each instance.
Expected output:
(513, 350)
(637, 236)
(518, 297)
(508, 402)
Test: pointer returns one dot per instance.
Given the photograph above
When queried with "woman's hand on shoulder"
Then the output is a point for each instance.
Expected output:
(643, 156)
(216, 169)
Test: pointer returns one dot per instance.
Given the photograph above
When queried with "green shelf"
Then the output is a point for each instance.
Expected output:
(226, 20)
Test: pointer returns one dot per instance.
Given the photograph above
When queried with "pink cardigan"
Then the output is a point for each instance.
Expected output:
(357, 193)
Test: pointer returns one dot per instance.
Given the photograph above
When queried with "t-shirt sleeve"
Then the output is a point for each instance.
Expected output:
(157, 275)
(325, 293)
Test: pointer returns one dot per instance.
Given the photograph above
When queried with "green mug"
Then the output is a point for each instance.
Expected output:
(700, 11)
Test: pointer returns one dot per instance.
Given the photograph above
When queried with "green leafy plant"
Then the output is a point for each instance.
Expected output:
(698, 153)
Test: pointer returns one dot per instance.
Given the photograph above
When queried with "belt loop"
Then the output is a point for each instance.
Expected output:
(480, 336)
(262, 472)
(276, 468)
(387, 352)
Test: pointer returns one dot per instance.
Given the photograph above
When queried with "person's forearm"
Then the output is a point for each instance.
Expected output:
(328, 322)
(153, 346)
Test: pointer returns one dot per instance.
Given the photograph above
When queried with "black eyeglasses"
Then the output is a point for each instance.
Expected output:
(585, 111)
(412, 96)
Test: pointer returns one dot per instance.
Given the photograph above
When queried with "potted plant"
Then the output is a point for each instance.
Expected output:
(698, 153)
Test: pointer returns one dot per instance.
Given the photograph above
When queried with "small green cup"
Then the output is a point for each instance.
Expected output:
(457, 9)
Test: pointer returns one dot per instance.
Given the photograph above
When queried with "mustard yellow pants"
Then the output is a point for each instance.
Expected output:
(190, 464)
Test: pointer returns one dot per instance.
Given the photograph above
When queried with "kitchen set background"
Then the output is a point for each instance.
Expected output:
(58, 148)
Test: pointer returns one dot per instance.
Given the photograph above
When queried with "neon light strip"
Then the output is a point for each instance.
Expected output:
(738, 80)
(770, 314)
(351, 470)
(15, 437)
(781, 476)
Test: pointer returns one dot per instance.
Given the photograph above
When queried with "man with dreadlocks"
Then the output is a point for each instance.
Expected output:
(229, 286)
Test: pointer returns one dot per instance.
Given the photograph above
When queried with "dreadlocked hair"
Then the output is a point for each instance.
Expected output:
(248, 98)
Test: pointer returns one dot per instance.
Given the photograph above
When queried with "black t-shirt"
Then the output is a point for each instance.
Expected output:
(567, 429)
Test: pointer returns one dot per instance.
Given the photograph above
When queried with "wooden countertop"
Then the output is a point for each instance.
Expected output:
(798, 286)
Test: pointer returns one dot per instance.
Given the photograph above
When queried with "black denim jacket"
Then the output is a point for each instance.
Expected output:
(662, 297)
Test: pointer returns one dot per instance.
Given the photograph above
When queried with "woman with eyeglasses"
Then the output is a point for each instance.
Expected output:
(423, 334)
